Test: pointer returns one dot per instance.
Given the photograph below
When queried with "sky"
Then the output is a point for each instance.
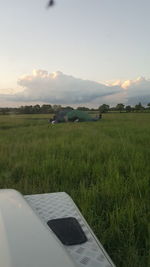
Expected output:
(79, 52)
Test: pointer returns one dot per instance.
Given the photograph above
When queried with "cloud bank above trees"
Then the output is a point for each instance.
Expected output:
(59, 88)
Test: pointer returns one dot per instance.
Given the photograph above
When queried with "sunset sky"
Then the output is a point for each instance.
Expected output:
(78, 52)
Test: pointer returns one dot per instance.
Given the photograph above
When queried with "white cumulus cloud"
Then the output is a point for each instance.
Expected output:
(134, 91)
(59, 88)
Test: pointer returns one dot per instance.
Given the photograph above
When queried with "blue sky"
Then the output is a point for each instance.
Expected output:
(97, 40)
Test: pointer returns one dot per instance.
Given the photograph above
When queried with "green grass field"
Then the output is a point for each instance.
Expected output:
(104, 166)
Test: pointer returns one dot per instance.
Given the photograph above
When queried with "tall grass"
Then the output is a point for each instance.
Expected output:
(104, 166)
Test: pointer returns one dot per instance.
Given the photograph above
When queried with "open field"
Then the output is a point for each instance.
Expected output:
(104, 166)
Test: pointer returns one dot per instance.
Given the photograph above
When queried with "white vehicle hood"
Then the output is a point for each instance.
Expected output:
(24, 240)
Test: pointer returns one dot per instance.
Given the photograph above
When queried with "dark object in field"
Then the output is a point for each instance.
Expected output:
(51, 3)
(73, 116)
(68, 230)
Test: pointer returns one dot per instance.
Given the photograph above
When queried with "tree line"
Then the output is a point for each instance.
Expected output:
(122, 108)
(51, 109)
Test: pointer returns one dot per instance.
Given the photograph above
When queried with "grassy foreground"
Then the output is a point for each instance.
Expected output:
(104, 166)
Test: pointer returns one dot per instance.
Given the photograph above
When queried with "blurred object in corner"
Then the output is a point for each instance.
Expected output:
(51, 3)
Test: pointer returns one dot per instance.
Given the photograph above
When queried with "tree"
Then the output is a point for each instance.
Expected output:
(148, 105)
(46, 109)
(120, 107)
(56, 108)
(83, 108)
(67, 108)
(36, 109)
(4, 111)
(139, 107)
(93, 109)
(128, 108)
(112, 109)
(103, 108)
(26, 109)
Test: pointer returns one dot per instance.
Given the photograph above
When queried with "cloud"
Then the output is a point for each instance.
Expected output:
(134, 91)
(59, 88)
